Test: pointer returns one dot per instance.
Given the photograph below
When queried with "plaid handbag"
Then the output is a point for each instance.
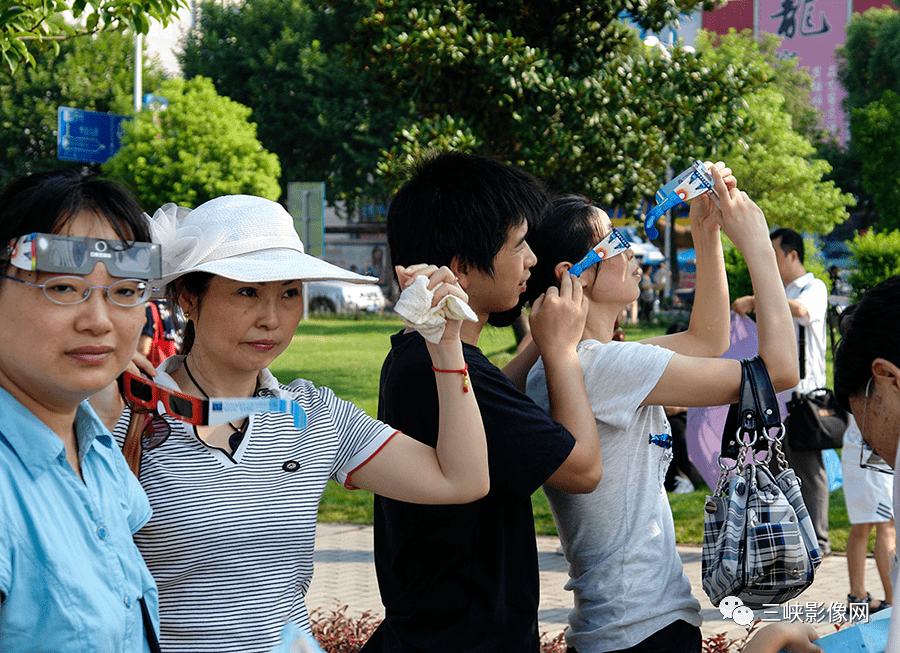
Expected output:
(758, 540)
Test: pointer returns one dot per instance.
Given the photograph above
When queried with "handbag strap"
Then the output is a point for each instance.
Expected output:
(765, 404)
(149, 630)
(801, 350)
(132, 447)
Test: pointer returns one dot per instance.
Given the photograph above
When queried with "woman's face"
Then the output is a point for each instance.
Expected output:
(244, 326)
(617, 279)
(53, 357)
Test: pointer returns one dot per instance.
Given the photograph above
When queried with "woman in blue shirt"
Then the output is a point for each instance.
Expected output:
(75, 261)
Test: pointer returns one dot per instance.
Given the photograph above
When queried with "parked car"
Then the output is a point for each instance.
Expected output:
(343, 297)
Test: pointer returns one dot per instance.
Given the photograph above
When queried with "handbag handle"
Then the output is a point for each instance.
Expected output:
(763, 414)
(750, 420)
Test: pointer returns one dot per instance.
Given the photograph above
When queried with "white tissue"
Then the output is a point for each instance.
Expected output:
(414, 308)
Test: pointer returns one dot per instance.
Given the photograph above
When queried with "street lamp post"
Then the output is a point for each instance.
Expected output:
(653, 41)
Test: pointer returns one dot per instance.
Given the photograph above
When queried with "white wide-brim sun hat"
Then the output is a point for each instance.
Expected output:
(240, 237)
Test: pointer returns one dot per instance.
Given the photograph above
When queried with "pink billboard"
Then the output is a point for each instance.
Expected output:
(811, 30)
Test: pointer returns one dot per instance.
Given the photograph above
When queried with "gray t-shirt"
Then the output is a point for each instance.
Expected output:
(620, 540)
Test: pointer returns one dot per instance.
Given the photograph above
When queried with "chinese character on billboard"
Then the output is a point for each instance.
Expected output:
(811, 30)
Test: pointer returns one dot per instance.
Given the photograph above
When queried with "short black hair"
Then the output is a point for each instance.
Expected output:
(45, 202)
(565, 232)
(868, 331)
(460, 205)
(791, 241)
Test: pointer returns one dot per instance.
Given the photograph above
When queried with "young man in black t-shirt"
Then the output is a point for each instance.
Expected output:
(464, 578)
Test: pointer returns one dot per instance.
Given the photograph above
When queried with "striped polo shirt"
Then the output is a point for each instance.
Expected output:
(231, 539)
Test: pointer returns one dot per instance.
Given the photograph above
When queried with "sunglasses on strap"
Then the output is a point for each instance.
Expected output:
(146, 395)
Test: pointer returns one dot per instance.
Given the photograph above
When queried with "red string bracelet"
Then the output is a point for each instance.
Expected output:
(464, 371)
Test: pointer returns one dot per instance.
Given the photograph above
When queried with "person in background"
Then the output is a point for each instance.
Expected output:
(808, 299)
(163, 331)
(76, 262)
(235, 503)
(682, 476)
(869, 498)
(838, 285)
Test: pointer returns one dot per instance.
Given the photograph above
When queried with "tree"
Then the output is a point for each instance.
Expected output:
(876, 132)
(318, 111)
(869, 60)
(868, 67)
(30, 26)
(561, 88)
(94, 73)
(775, 163)
(200, 147)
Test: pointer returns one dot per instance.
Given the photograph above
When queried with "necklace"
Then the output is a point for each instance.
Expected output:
(237, 431)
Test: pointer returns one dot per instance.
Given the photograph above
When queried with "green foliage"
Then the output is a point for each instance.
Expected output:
(30, 27)
(739, 283)
(846, 174)
(877, 257)
(869, 59)
(200, 147)
(93, 73)
(868, 68)
(562, 89)
(794, 81)
(317, 110)
(775, 163)
(876, 132)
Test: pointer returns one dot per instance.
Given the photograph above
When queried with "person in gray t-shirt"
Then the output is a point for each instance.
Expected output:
(630, 589)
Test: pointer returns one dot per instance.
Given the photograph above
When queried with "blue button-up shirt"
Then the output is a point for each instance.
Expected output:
(70, 574)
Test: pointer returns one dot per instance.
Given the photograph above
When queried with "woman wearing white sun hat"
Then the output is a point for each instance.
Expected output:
(231, 539)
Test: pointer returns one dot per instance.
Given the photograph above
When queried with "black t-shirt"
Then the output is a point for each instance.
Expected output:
(463, 578)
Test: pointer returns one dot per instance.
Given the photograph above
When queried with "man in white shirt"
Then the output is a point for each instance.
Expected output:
(808, 299)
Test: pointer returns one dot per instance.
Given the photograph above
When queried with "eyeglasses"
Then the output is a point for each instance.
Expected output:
(868, 459)
(147, 395)
(615, 243)
(77, 255)
(74, 290)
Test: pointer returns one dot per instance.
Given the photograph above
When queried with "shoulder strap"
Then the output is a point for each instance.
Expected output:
(149, 631)
(131, 447)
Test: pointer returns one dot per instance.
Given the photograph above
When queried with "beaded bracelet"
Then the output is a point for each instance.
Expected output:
(464, 371)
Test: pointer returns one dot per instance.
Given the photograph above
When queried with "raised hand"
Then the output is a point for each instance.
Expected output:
(558, 317)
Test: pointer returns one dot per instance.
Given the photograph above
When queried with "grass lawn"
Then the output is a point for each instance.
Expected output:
(346, 354)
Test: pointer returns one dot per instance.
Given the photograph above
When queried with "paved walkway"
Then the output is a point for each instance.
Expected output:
(345, 575)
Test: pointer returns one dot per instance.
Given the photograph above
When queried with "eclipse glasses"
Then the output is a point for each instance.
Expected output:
(38, 252)
(694, 181)
(204, 412)
(614, 243)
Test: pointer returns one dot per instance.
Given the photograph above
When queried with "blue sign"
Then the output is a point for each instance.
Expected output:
(88, 136)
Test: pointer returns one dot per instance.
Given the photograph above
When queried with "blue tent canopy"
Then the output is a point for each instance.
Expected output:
(687, 256)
